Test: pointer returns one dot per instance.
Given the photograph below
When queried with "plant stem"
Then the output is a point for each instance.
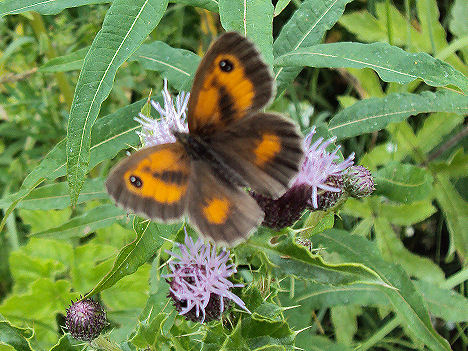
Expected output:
(456, 279)
(380, 334)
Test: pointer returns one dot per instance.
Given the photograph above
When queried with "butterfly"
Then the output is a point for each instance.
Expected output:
(231, 146)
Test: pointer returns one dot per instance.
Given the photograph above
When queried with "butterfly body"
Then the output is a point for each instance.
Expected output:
(199, 150)
(230, 146)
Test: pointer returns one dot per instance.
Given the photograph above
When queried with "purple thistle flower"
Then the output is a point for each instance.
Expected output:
(318, 185)
(172, 118)
(198, 281)
(319, 165)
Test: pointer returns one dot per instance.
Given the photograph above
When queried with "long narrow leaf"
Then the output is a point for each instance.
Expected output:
(305, 28)
(373, 114)
(177, 65)
(125, 27)
(98, 217)
(390, 62)
(150, 237)
(253, 19)
(44, 7)
(406, 300)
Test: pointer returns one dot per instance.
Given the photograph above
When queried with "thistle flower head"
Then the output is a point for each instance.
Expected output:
(199, 282)
(85, 319)
(318, 185)
(358, 181)
(319, 165)
(172, 118)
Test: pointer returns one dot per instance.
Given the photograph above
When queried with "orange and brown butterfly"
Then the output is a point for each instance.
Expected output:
(231, 146)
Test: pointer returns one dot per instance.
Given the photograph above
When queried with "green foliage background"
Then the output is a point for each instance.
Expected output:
(387, 78)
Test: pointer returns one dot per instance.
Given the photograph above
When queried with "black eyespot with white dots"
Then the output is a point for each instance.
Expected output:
(226, 65)
(136, 181)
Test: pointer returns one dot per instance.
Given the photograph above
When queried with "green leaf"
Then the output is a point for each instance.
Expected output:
(128, 296)
(390, 62)
(318, 221)
(56, 196)
(67, 343)
(177, 65)
(211, 5)
(306, 27)
(455, 166)
(149, 239)
(434, 32)
(39, 258)
(373, 114)
(46, 298)
(444, 303)
(70, 62)
(368, 28)
(393, 250)
(14, 46)
(280, 6)
(455, 210)
(111, 134)
(403, 182)
(80, 226)
(314, 295)
(289, 258)
(253, 19)
(15, 337)
(44, 7)
(258, 333)
(407, 214)
(458, 24)
(436, 129)
(310, 342)
(125, 27)
(405, 299)
(90, 263)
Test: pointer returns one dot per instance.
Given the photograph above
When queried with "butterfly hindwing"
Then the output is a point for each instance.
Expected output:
(231, 81)
(219, 210)
(153, 181)
(265, 149)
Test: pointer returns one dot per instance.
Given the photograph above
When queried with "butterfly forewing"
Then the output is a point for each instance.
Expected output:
(219, 210)
(152, 182)
(231, 81)
(264, 148)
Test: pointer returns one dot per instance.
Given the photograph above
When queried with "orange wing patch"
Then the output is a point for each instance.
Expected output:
(153, 181)
(225, 95)
(216, 210)
(160, 176)
(267, 148)
(230, 82)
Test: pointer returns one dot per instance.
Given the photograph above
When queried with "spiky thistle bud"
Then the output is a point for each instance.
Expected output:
(85, 319)
(358, 181)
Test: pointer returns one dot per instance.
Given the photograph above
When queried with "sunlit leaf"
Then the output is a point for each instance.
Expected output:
(390, 62)
(306, 27)
(253, 19)
(373, 114)
(125, 27)
(45, 7)
(403, 182)
(406, 301)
